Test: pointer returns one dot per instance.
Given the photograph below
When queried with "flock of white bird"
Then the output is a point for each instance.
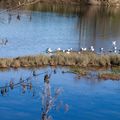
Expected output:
(49, 50)
(113, 50)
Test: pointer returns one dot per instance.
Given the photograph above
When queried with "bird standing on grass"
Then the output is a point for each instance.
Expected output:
(114, 46)
(83, 49)
(101, 50)
(48, 50)
(92, 49)
(58, 49)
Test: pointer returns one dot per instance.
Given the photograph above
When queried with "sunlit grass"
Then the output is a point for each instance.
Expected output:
(83, 59)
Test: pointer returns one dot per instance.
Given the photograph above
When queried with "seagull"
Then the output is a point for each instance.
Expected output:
(68, 50)
(114, 43)
(92, 49)
(58, 49)
(115, 49)
(83, 49)
(63, 50)
(48, 50)
(101, 50)
(71, 49)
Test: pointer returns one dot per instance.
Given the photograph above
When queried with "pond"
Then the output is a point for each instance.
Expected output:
(54, 26)
(33, 94)
(86, 99)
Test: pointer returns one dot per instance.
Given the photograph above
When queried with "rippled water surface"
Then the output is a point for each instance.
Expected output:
(39, 27)
(58, 26)
(87, 99)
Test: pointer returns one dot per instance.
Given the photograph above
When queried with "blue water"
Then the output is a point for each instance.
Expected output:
(43, 31)
(89, 26)
(87, 99)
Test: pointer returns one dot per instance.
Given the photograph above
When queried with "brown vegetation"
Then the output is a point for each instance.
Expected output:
(111, 76)
(83, 59)
(79, 71)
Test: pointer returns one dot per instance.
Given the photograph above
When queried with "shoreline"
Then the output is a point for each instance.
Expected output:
(82, 59)
(79, 63)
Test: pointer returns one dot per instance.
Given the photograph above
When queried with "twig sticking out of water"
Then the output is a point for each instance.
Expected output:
(48, 101)
(22, 82)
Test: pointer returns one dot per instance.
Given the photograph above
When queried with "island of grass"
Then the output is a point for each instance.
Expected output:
(74, 59)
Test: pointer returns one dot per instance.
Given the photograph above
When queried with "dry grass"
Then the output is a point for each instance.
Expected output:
(84, 59)
(78, 71)
(111, 76)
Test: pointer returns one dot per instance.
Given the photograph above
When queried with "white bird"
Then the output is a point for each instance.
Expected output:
(63, 50)
(114, 43)
(68, 52)
(58, 49)
(83, 49)
(101, 50)
(115, 49)
(48, 50)
(71, 49)
(92, 49)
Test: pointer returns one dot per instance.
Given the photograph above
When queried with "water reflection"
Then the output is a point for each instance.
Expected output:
(98, 27)
(73, 26)
(40, 93)
(48, 99)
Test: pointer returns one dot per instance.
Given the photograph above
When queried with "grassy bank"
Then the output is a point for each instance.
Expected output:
(111, 76)
(83, 59)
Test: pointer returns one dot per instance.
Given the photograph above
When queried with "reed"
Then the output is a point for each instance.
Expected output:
(83, 59)
(79, 71)
(110, 76)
